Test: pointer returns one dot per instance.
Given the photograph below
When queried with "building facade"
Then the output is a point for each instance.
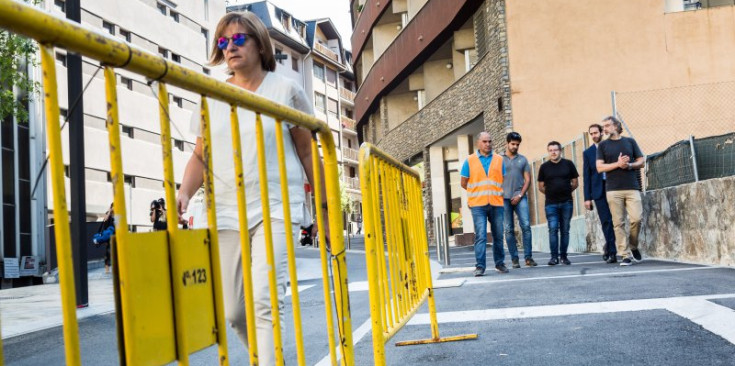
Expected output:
(431, 74)
(312, 53)
(180, 31)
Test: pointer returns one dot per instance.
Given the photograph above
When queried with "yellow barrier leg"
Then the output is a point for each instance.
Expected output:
(323, 249)
(265, 202)
(245, 246)
(290, 245)
(61, 213)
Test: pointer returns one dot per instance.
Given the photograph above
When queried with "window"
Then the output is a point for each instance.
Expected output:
(175, 57)
(332, 107)
(61, 5)
(319, 102)
(295, 62)
(63, 112)
(163, 52)
(129, 179)
(205, 70)
(179, 144)
(347, 84)
(332, 77)
(352, 171)
(175, 16)
(61, 58)
(66, 171)
(280, 56)
(109, 27)
(161, 8)
(125, 34)
(127, 130)
(178, 101)
(319, 71)
(127, 82)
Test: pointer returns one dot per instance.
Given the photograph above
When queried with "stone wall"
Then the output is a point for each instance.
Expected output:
(689, 223)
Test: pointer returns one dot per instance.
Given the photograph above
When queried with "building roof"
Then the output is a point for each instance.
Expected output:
(272, 16)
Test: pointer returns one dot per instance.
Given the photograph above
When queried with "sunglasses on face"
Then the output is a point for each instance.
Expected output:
(238, 39)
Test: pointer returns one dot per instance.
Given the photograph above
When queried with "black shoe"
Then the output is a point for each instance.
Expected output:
(636, 254)
(605, 257)
(612, 259)
(479, 271)
(516, 264)
(553, 261)
(565, 261)
(626, 262)
(530, 262)
(501, 268)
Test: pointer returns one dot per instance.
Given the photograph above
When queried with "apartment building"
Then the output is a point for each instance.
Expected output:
(312, 53)
(432, 73)
(180, 31)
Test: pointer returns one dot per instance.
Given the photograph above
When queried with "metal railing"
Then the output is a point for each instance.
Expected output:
(352, 183)
(324, 50)
(399, 274)
(349, 153)
(164, 311)
(348, 123)
(349, 95)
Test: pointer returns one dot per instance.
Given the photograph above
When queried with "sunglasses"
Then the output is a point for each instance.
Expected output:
(238, 39)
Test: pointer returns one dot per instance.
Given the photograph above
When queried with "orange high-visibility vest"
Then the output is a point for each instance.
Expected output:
(484, 189)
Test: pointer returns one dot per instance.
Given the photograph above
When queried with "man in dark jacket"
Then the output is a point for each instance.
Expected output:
(594, 190)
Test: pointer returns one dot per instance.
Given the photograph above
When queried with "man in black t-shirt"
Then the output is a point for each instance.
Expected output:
(620, 158)
(557, 180)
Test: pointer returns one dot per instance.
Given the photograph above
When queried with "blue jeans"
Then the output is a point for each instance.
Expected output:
(480, 216)
(521, 209)
(558, 216)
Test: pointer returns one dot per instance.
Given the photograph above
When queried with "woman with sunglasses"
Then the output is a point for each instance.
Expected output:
(243, 44)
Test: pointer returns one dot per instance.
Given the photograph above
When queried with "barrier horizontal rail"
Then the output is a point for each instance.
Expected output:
(396, 249)
(50, 32)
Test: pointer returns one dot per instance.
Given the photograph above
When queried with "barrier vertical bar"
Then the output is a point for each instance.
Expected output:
(61, 213)
(429, 281)
(323, 248)
(390, 241)
(367, 184)
(245, 245)
(387, 311)
(268, 230)
(290, 245)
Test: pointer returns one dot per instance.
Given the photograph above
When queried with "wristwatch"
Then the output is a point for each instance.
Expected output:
(630, 166)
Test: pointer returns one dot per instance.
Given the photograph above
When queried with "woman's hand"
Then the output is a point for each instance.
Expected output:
(182, 203)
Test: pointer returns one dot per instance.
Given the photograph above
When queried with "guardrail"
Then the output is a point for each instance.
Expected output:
(399, 274)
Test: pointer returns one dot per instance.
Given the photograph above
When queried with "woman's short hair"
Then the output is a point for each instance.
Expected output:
(253, 26)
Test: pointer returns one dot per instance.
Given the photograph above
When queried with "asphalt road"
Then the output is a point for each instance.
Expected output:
(589, 313)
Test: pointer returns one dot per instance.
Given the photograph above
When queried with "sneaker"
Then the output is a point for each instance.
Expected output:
(612, 259)
(636, 254)
(479, 271)
(553, 261)
(530, 262)
(626, 262)
(516, 264)
(501, 268)
(565, 261)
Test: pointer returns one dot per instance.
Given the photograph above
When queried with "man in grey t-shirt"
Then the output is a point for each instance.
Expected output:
(516, 181)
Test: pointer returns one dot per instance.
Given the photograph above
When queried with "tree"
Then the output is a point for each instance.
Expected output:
(16, 53)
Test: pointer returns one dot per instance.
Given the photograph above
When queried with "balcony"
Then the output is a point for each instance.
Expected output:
(348, 124)
(347, 95)
(326, 52)
(352, 183)
(349, 154)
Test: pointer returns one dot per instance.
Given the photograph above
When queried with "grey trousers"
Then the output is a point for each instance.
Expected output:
(232, 284)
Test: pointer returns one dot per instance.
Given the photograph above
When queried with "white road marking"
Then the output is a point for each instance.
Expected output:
(715, 318)
(470, 269)
(301, 288)
(357, 335)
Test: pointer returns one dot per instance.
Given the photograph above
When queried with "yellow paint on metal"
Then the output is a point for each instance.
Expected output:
(318, 199)
(440, 340)
(268, 231)
(61, 213)
(298, 333)
(394, 189)
(245, 251)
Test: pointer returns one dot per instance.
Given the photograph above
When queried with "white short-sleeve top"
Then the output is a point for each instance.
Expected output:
(282, 90)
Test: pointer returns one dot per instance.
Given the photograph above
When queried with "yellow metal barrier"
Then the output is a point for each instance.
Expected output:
(178, 271)
(392, 204)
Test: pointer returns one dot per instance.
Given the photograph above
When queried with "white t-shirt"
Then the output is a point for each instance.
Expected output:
(281, 90)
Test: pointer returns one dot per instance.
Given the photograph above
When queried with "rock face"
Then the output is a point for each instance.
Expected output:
(691, 223)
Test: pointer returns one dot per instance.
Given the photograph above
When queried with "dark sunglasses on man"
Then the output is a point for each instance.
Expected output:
(238, 39)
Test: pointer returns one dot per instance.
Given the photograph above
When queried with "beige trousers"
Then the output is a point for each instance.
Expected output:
(622, 202)
(232, 284)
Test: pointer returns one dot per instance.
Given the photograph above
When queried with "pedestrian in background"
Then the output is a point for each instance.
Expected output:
(516, 181)
(482, 176)
(557, 180)
(594, 191)
(158, 214)
(620, 158)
